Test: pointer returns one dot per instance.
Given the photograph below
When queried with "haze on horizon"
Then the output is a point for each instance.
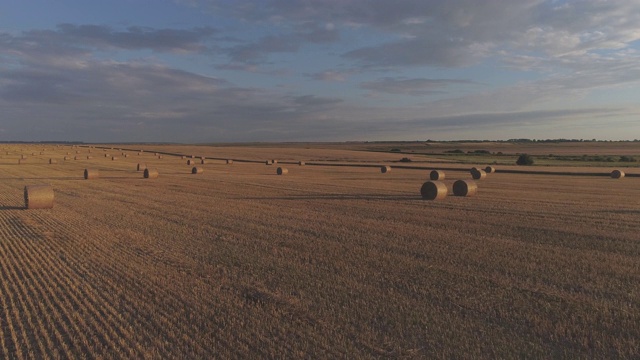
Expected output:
(277, 70)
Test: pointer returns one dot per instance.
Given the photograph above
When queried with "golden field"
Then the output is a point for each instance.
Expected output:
(323, 262)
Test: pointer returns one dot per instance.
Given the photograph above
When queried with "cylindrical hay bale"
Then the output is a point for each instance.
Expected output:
(23, 157)
(489, 169)
(67, 158)
(202, 158)
(106, 155)
(76, 158)
(282, 171)
(140, 153)
(465, 188)
(617, 174)
(77, 151)
(68, 153)
(22, 161)
(385, 169)
(433, 190)
(301, 163)
(123, 153)
(89, 157)
(229, 161)
(34, 154)
(436, 175)
(91, 174)
(150, 173)
(197, 170)
(193, 156)
(183, 157)
(191, 162)
(203, 161)
(274, 161)
(126, 155)
(478, 174)
(269, 162)
(53, 161)
(141, 167)
(114, 158)
(159, 156)
(38, 197)
(156, 154)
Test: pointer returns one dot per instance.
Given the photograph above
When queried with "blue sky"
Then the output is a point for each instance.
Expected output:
(334, 70)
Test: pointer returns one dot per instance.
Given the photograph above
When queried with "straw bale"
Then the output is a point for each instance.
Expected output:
(150, 173)
(433, 190)
(436, 175)
(465, 188)
(282, 171)
(91, 174)
(38, 197)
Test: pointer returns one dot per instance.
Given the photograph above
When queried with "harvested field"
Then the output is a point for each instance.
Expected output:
(326, 262)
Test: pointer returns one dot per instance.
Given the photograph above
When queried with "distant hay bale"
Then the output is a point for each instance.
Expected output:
(126, 155)
(274, 161)
(229, 161)
(53, 161)
(203, 161)
(436, 175)
(89, 157)
(489, 169)
(183, 157)
(269, 162)
(114, 158)
(193, 156)
(34, 154)
(197, 170)
(478, 174)
(76, 158)
(141, 167)
(106, 155)
(433, 190)
(150, 173)
(22, 161)
(159, 156)
(23, 157)
(385, 169)
(202, 158)
(140, 153)
(123, 153)
(91, 174)
(38, 197)
(282, 171)
(67, 158)
(301, 163)
(77, 151)
(68, 153)
(617, 174)
(465, 188)
(155, 154)
(191, 162)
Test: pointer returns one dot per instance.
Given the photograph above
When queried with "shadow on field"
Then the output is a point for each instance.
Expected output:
(621, 211)
(377, 197)
(11, 208)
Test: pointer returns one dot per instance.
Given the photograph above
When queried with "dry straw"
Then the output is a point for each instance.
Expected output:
(465, 188)
(91, 174)
(38, 197)
(150, 173)
(282, 171)
(385, 169)
(197, 170)
(436, 175)
(478, 174)
(433, 190)
(617, 174)
(141, 167)
(489, 169)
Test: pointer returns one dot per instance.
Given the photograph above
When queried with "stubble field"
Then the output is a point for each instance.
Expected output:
(324, 262)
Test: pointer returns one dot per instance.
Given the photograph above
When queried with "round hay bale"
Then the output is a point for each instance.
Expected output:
(22, 161)
(159, 156)
(229, 161)
(126, 155)
(202, 158)
(150, 173)
(114, 158)
(617, 174)
(193, 156)
(106, 155)
(433, 190)
(38, 197)
(68, 153)
(478, 174)
(183, 157)
(67, 158)
(53, 161)
(197, 170)
(140, 153)
(385, 169)
(269, 162)
(436, 175)
(77, 151)
(301, 163)
(203, 161)
(91, 174)
(282, 171)
(155, 154)
(76, 158)
(123, 153)
(191, 162)
(23, 157)
(465, 188)
(34, 154)
(89, 157)
(141, 167)
(489, 169)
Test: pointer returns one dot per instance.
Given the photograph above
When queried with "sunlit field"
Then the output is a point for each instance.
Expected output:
(322, 262)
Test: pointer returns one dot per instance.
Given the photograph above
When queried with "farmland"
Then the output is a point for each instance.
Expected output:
(323, 262)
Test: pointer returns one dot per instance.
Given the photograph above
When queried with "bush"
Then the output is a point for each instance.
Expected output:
(625, 158)
(405, 159)
(395, 150)
(456, 151)
(524, 159)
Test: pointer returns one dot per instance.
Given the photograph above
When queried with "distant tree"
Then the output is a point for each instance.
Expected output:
(524, 159)
(625, 158)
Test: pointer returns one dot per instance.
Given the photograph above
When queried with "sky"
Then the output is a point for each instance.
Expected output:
(213, 71)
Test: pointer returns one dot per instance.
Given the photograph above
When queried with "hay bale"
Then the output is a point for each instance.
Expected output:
(191, 162)
(114, 158)
(197, 170)
(23, 157)
(433, 190)
(269, 162)
(22, 161)
(183, 157)
(617, 174)
(38, 197)
(141, 167)
(77, 151)
(106, 155)
(159, 156)
(301, 163)
(274, 161)
(203, 158)
(89, 157)
(436, 175)
(203, 161)
(465, 188)
(385, 169)
(150, 173)
(67, 158)
(53, 161)
(126, 155)
(76, 158)
(91, 174)
(229, 161)
(478, 174)
(489, 169)
(282, 171)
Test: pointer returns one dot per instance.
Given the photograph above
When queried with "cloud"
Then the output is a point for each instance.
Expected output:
(413, 87)
(258, 51)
